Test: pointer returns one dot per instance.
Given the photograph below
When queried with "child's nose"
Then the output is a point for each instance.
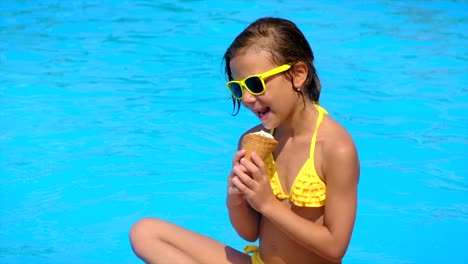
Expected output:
(248, 98)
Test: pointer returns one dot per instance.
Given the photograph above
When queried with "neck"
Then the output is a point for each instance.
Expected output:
(299, 121)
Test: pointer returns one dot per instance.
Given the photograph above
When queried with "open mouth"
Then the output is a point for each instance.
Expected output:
(263, 112)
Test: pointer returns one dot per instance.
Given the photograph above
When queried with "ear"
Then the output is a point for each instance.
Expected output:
(300, 72)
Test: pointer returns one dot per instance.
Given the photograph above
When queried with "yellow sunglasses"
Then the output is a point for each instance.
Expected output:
(255, 84)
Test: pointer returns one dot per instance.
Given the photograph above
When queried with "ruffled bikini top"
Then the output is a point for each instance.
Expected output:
(308, 190)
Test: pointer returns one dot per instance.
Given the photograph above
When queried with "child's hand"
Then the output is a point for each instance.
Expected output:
(235, 196)
(252, 180)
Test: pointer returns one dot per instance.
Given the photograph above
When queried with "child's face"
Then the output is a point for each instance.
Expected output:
(272, 106)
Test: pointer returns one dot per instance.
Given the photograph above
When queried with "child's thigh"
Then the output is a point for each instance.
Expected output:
(151, 231)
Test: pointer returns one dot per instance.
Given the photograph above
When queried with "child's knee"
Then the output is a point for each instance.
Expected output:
(142, 232)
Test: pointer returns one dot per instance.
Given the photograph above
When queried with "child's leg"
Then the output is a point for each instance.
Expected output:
(158, 241)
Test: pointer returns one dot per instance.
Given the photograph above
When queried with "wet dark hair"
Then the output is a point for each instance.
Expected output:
(286, 44)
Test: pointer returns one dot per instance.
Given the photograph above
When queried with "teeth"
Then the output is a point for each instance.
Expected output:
(262, 113)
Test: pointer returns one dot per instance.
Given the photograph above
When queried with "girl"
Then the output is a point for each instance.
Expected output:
(300, 203)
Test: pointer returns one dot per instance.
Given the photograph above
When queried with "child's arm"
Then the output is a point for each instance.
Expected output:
(244, 218)
(331, 239)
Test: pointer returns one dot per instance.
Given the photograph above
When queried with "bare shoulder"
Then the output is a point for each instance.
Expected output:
(339, 150)
(336, 138)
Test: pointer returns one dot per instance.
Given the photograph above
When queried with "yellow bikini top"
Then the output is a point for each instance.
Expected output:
(308, 190)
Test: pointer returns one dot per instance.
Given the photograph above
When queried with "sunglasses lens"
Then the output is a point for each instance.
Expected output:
(236, 90)
(255, 85)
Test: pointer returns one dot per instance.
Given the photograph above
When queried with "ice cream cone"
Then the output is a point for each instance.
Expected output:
(259, 144)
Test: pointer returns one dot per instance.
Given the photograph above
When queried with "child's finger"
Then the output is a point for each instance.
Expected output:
(237, 157)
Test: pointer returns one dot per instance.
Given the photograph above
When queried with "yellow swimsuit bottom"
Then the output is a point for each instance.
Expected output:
(255, 255)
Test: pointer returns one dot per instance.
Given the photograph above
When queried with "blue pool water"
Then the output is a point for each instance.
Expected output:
(114, 111)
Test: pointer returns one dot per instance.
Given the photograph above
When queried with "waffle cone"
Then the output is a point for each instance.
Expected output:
(259, 144)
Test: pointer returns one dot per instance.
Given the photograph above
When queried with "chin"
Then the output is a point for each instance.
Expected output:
(268, 125)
